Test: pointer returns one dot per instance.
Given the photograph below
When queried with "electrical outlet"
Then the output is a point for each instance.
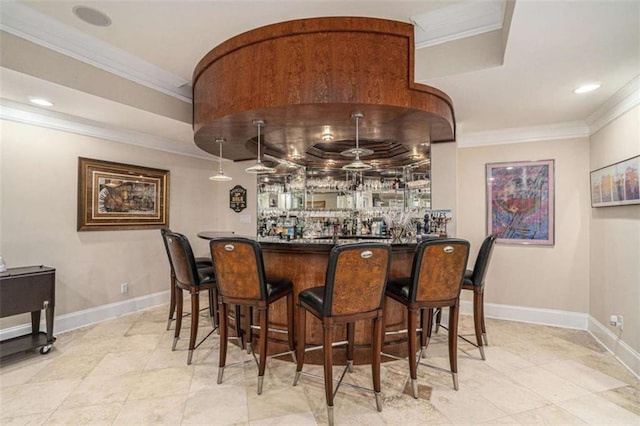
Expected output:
(124, 288)
(620, 322)
(616, 321)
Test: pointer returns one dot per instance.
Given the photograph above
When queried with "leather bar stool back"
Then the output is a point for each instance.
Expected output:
(192, 279)
(474, 280)
(354, 290)
(242, 282)
(201, 263)
(435, 282)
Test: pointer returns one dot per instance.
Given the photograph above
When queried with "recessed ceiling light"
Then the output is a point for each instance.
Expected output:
(40, 101)
(585, 88)
(92, 16)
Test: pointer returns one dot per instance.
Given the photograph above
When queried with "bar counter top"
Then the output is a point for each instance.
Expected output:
(326, 241)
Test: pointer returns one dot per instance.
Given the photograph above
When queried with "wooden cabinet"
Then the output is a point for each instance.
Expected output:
(28, 289)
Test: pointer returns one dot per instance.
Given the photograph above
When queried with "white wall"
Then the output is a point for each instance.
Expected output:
(615, 242)
(444, 182)
(540, 277)
(38, 189)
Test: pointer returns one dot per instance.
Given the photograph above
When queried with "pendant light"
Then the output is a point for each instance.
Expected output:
(357, 165)
(259, 168)
(220, 177)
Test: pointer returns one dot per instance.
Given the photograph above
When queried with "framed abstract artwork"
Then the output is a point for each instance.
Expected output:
(617, 184)
(520, 202)
(115, 196)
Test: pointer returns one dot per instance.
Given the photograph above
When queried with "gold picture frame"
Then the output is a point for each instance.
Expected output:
(116, 196)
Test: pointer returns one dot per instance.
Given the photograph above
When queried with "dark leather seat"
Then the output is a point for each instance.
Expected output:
(242, 282)
(191, 278)
(354, 290)
(201, 263)
(435, 282)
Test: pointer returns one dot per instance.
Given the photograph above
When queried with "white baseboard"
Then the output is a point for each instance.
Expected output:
(68, 322)
(551, 317)
(623, 352)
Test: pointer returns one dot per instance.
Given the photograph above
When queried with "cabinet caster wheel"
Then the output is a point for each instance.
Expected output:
(45, 349)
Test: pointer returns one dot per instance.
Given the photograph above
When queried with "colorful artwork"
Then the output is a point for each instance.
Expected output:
(617, 184)
(520, 202)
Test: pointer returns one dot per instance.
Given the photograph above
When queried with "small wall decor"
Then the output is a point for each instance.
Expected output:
(617, 184)
(520, 202)
(237, 198)
(115, 196)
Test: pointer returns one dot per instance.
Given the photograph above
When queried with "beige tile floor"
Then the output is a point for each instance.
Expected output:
(123, 371)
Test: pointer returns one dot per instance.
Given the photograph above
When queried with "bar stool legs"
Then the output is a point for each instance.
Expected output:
(223, 340)
(376, 349)
(245, 337)
(327, 331)
(327, 347)
(478, 319)
(179, 302)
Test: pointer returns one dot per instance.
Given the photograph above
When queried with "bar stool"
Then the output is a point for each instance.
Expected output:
(189, 277)
(354, 290)
(435, 282)
(201, 264)
(242, 282)
(474, 280)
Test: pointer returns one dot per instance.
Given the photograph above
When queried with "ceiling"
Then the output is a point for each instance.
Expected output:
(130, 81)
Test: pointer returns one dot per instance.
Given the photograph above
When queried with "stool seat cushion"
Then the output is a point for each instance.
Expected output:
(278, 286)
(468, 278)
(399, 287)
(314, 297)
(206, 275)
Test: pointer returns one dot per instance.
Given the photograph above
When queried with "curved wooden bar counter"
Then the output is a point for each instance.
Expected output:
(305, 263)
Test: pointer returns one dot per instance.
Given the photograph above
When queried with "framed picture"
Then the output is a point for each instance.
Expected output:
(115, 196)
(520, 202)
(617, 184)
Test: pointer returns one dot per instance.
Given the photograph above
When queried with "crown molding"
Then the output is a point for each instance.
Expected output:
(573, 129)
(22, 113)
(29, 24)
(622, 101)
(458, 21)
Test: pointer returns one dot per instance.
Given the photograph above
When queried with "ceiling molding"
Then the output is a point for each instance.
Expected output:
(458, 21)
(26, 114)
(25, 22)
(575, 129)
(622, 101)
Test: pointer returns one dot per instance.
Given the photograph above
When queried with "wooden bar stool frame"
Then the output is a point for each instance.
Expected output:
(354, 291)
(474, 280)
(435, 282)
(242, 282)
(201, 262)
(188, 277)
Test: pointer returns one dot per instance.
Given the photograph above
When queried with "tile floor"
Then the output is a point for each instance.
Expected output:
(123, 371)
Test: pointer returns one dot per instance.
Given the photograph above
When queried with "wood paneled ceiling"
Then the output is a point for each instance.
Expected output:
(305, 78)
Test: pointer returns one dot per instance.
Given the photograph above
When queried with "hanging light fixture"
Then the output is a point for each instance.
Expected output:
(220, 177)
(259, 168)
(357, 165)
